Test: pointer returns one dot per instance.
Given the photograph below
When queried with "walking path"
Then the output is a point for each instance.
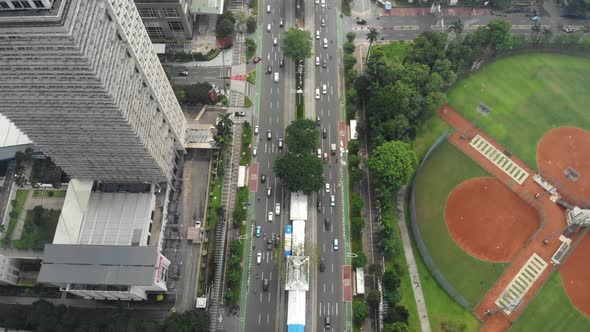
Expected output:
(410, 260)
(551, 216)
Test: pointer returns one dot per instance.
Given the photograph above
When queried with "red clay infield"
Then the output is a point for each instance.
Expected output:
(576, 273)
(559, 149)
(489, 221)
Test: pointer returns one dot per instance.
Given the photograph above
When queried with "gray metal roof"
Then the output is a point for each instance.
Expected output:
(99, 265)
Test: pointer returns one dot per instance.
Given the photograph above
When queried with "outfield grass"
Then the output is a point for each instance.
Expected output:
(446, 168)
(551, 310)
(529, 95)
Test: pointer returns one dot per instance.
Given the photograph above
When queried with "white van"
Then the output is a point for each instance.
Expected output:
(317, 60)
(259, 258)
(324, 89)
(268, 8)
(325, 42)
(335, 245)
(320, 153)
(327, 187)
(317, 93)
(323, 3)
(276, 77)
(317, 34)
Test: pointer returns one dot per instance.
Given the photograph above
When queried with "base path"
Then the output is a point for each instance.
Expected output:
(551, 216)
(412, 267)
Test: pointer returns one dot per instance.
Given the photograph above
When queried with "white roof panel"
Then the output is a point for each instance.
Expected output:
(10, 135)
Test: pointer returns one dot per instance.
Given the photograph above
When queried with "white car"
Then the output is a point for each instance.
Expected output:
(324, 89)
(275, 41)
(270, 216)
(268, 8)
(268, 27)
(317, 93)
(325, 42)
(317, 2)
(327, 187)
(335, 245)
(332, 200)
(317, 34)
(320, 153)
(323, 3)
(256, 130)
(268, 191)
(276, 77)
(259, 258)
(317, 60)
(254, 151)
(323, 22)
(278, 209)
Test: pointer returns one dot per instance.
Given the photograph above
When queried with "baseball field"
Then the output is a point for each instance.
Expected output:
(479, 222)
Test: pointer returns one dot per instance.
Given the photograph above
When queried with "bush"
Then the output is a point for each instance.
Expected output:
(251, 24)
(397, 313)
(360, 260)
(357, 224)
(351, 36)
(360, 310)
(349, 47)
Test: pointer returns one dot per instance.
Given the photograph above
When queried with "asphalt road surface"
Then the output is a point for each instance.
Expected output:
(213, 75)
(326, 286)
(263, 306)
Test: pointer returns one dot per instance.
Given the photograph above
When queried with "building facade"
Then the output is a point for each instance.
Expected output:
(166, 19)
(83, 82)
(9, 270)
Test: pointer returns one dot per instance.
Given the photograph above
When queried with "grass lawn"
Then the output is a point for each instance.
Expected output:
(446, 168)
(56, 193)
(20, 198)
(38, 230)
(551, 310)
(392, 50)
(251, 77)
(529, 95)
(246, 151)
(428, 133)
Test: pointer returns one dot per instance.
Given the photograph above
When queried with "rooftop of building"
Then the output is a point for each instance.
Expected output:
(99, 265)
(206, 7)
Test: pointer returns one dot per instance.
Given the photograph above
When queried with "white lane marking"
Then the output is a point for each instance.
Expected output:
(267, 319)
(328, 310)
(336, 309)
(332, 288)
(324, 247)
(324, 287)
(270, 278)
(260, 297)
(268, 297)
(259, 318)
(320, 309)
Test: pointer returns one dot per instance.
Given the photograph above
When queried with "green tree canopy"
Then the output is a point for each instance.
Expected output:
(297, 44)
(374, 298)
(300, 172)
(396, 327)
(360, 310)
(198, 94)
(302, 136)
(360, 260)
(189, 321)
(225, 25)
(393, 163)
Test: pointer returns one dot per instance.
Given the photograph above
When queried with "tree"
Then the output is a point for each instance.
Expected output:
(241, 20)
(224, 124)
(374, 298)
(435, 83)
(300, 172)
(393, 164)
(198, 94)
(302, 136)
(225, 25)
(360, 260)
(357, 224)
(372, 36)
(250, 43)
(397, 313)
(349, 61)
(427, 48)
(457, 27)
(499, 33)
(360, 310)
(251, 24)
(297, 44)
(397, 327)
(390, 279)
(350, 36)
(349, 47)
(189, 321)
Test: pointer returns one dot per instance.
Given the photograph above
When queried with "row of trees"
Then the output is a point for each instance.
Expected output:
(234, 274)
(43, 316)
(299, 169)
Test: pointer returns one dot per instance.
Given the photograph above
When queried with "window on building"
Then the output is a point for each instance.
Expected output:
(4, 5)
(147, 12)
(16, 4)
(176, 26)
(38, 3)
(25, 4)
(171, 12)
(155, 32)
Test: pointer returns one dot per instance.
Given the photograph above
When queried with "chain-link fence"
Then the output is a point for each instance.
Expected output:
(438, 276)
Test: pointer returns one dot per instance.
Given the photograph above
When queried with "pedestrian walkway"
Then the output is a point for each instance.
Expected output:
(411, 261)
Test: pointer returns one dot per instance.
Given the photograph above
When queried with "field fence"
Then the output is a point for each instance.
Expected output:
(436, 273)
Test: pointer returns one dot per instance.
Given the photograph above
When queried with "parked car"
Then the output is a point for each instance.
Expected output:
(317, 34)
(325, 156)
(324, 89)
(319, 153)
(317, 93)
(239, 114)
(254, 151)
(256, 59)
(268, 27)
(325, 42)
(256, 130)
(183, 73)
(325, 63)
(269, 69)
(317, 60)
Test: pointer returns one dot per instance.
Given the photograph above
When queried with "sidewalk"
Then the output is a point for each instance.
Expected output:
(412, 267)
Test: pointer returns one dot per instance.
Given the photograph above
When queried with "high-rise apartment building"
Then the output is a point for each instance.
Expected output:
(166, 19)
(82, 81)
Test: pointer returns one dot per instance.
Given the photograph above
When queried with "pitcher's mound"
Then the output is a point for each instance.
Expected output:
(489, 221)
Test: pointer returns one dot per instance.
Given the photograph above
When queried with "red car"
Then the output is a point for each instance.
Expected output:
(256, 59)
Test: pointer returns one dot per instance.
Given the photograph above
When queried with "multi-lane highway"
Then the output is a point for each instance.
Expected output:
(271, 119)
(326, 286)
